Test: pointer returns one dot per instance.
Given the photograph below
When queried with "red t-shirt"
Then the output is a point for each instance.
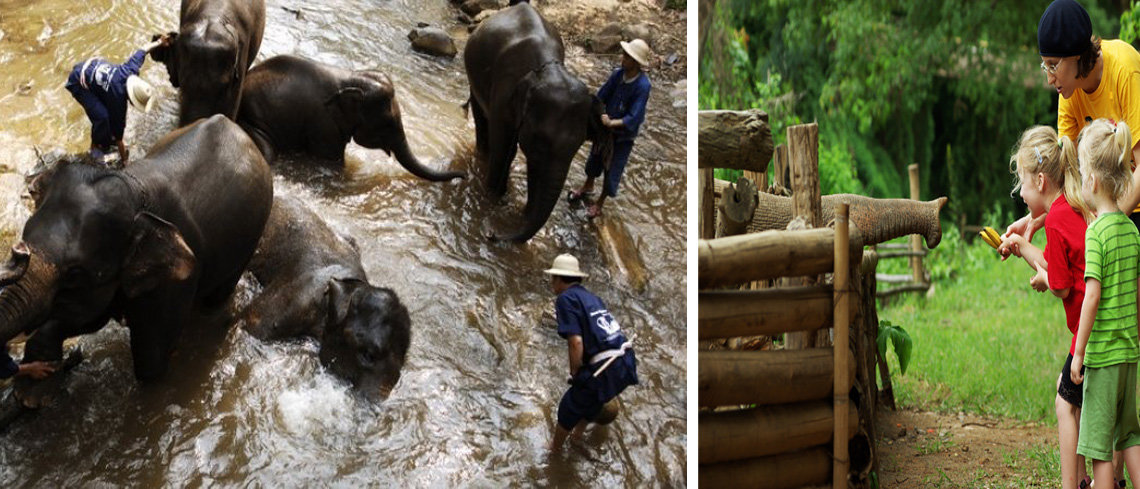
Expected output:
(1065, 254)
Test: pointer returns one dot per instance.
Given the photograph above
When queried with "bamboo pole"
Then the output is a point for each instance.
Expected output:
(727, 378)
(795, 469)
(739, 140)
(758, 256)
(915, 240)
(842, 317)
(732, 313)
(766, 430)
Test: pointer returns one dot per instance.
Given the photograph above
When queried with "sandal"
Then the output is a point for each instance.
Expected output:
(576, 195)
(594, 211)
(1085, 483)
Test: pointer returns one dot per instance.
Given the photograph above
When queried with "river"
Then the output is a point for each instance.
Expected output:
(478, 396)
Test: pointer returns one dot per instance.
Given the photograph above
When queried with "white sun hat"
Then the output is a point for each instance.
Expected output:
(638, 50)
(565, 265)
(140, 93)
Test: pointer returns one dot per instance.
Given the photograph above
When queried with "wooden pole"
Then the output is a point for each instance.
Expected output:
(737, 204)
(915, 240)
(798, 469)
(765, 430)
(733, 378)
(733, 313)
(803, 152)
(842, 316)
(771, 254)
(740, 140)
(706, 220)
(780, 161)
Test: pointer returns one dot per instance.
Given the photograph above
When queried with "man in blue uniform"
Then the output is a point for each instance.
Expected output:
(602, 363)
(625, 95)
(103, 89)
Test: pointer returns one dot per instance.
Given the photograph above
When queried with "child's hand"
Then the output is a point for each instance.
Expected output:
(1040, 281)
(1075, 369)
(1010, 245)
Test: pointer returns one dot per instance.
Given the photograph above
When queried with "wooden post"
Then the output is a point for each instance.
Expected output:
(780, 162)
(842, 316)
(740, 140)
(737, 203)
(706, 221)
(915, 240)
(803, 156)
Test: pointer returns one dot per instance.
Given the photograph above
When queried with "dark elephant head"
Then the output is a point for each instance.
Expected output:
(371, 115)
(366, 337)
(207, 61)
(558, 114)
(86, 243)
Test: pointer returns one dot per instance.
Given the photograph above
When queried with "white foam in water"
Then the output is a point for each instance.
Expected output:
(319, 406)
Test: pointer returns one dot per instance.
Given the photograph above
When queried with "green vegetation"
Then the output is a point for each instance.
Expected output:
(948, 85)
(675, 4)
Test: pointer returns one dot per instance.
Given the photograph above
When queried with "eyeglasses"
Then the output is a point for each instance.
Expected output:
(1050, 69)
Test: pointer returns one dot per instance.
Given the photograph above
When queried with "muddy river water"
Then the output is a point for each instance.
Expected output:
(478, 396)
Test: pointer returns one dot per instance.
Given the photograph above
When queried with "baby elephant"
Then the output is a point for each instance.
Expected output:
(314, 285)
(293, 104)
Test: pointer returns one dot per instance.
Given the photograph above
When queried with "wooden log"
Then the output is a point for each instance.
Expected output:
(737, 204)
(705, 219)
(803, 155)
(732, 313)
(915, 241)
(765, 430)
(737, 259)
(901, 254)
(797, 469)
(727, 378)
(780, 162)
(739, 140)
(894, 278)
(841, 287)
(902, 288)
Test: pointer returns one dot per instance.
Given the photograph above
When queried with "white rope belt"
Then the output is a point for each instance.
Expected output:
(609, 356)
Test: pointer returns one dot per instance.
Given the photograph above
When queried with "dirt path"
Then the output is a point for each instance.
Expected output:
(926, 449)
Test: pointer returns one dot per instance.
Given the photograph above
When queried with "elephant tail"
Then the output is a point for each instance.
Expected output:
(601, 138)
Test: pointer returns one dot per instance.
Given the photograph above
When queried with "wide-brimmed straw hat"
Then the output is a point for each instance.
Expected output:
(565, 265)
(140, 93)
(638, 50)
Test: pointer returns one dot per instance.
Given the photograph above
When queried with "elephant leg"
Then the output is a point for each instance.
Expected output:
(46, 345)
(480, 126)
(504, 147)
(156, 321)
(220, 296)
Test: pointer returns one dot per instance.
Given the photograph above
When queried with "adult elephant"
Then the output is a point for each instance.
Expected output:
(209, 57)
(313, 284)
(523, 97)
(294, 104)
(142, 245)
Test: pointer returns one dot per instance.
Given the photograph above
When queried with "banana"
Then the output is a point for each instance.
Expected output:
(994, 235)
(986, 237)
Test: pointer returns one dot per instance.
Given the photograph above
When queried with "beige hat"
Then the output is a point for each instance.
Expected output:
(565, 265)
(638, 50)
(140, 93)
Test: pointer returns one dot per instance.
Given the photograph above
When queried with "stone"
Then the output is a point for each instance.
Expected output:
(433, 41)
(473, 7)
(607, 41)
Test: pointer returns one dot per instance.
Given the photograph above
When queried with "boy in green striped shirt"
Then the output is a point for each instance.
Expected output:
(1107, 337)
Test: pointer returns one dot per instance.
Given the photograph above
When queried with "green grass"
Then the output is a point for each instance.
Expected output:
(984, 342)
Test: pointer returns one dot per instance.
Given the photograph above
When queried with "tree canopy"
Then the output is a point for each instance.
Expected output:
(948, 85)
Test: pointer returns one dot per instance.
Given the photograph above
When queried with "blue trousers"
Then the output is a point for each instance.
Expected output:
(594, 166)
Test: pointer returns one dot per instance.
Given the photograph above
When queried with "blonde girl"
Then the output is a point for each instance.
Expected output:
(1050, 184)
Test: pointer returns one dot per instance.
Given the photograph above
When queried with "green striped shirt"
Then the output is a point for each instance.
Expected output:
(1112, 249)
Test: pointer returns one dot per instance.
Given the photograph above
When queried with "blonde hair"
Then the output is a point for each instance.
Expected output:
(1041, 151)
(1106, 151)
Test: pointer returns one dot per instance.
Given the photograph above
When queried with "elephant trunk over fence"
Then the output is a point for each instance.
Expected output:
(873, 220)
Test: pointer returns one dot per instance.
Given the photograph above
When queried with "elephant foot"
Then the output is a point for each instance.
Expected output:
(34, 394)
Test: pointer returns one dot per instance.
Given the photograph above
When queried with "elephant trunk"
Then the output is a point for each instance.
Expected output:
(543, 192)
(25, 300)
(409, 161)
(875, 220)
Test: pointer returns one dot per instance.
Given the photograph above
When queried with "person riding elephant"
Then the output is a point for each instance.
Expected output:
(294, 104)
(209, 57)
(143, 245)
(522, 96)
(313, 284)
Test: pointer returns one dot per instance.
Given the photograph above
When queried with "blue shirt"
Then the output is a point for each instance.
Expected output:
(8, 367)
(108, 82)
(581, 313)
(625, 101)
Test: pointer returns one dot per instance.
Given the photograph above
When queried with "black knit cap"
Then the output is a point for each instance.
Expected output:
(1064, 29)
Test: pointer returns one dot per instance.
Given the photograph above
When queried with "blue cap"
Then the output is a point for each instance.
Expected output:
(1064, 30)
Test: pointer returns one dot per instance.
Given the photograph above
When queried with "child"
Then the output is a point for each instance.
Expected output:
(1107, 337)
(1050, 184)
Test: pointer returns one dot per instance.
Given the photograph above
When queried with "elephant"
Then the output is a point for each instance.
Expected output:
(294, 104)
(143, 245)
(522, 96)
(210, 55)
(313, 284)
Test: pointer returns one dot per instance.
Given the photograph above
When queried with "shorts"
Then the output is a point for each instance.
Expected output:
(578, 403)
(1070, 392)
(1108, 418)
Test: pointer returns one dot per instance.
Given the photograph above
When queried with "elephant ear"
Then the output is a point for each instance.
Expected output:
(157, 254)
(350, 102)
(167, 55)
(340, 297)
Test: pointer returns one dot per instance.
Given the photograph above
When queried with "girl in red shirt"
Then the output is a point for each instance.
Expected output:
(1050, 184)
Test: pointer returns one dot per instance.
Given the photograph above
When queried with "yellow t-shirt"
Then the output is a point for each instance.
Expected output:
(1117, 97)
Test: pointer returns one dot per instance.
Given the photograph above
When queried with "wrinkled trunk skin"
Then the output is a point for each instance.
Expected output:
(544, 187)
(26, 303)
(409, 161)
(873, 220)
